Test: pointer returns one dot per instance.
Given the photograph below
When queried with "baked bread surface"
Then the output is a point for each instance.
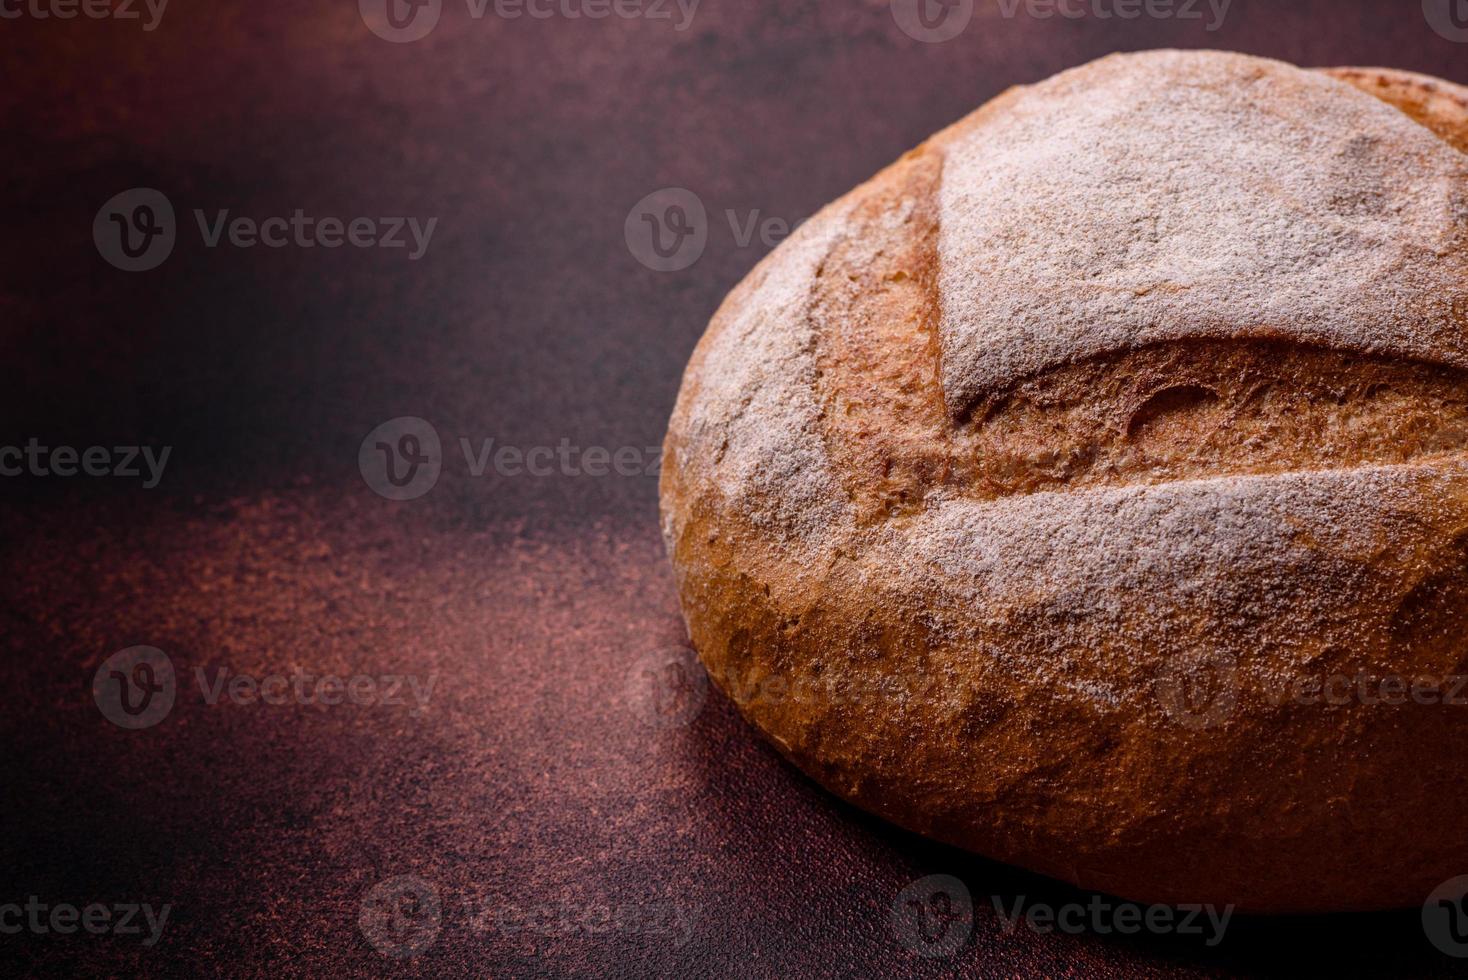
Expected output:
(1023, 494)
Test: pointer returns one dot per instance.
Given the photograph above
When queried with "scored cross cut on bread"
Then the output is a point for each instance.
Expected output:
(1114, 414)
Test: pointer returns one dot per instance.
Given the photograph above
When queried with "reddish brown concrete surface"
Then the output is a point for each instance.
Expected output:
(565, 829)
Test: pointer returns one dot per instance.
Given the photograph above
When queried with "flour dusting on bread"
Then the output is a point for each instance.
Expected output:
(1209, 195)
(757, 422)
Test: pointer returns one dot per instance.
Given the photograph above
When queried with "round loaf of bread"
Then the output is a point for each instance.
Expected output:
(1089, 490)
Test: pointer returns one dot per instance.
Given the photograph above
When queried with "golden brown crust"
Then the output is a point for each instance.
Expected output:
(982, 621)
(1209, 408)
(875, 311)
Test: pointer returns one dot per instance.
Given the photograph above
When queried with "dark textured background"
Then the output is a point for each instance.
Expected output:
(532, 780)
